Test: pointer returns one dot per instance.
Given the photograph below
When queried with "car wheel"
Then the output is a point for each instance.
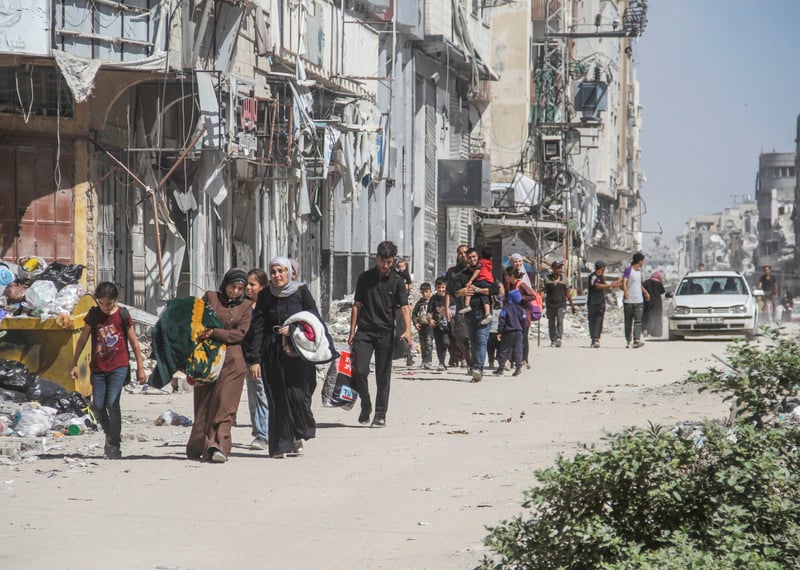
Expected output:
(672, 336)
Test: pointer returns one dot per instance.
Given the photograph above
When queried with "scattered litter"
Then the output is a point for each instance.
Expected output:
(171, 418)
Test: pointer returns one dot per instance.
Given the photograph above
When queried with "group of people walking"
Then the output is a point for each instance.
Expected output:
(467, 315)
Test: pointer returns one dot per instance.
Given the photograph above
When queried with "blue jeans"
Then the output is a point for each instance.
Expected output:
(259, 408)
(106, 391)
(478, 338)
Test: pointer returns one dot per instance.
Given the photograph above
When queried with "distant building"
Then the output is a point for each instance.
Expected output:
(775, 196)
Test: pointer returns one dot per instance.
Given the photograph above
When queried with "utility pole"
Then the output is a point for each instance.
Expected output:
(552, 122)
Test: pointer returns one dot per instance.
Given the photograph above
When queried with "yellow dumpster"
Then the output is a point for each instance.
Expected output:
(47, 347)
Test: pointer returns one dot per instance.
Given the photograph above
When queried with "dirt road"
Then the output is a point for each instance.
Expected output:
(454, 457)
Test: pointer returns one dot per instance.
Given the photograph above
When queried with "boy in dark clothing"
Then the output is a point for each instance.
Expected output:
(437, 317)
(421, 320)
(509, 329)
(596, 300)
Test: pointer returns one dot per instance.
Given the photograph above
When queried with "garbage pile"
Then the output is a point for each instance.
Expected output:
(33, 288)
(31, 406)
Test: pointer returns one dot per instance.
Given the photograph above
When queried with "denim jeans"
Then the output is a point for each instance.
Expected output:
(259, 408)
(106, 391)
(555, 322)
(633, 320)
(478, 338)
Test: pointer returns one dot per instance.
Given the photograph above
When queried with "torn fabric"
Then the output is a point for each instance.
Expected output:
(78, 72)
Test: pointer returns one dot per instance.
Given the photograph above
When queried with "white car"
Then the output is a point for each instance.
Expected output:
(712, 303)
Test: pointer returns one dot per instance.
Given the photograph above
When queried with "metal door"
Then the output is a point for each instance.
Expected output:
(36, 202)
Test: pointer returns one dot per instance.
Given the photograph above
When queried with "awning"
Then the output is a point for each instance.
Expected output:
(447, 53)
(607, 254)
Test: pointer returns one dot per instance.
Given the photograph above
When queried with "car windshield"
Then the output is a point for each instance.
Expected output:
(712, 286)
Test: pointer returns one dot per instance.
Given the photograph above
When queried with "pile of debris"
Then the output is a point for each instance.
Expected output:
(33, 288)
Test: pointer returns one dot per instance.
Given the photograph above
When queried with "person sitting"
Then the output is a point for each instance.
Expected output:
(716, 288)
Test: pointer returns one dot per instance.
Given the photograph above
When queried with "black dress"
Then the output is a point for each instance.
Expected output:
(652, 321)
(289, 381)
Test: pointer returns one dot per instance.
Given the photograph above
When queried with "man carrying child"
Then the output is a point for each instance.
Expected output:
(482, 277)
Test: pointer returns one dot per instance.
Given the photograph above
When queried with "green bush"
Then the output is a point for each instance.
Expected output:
(728, 499)
(759, 379)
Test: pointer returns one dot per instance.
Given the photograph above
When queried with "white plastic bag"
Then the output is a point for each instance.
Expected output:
(40, 294)
(32, 421)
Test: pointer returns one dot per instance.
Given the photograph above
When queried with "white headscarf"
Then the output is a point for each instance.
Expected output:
(291, 286)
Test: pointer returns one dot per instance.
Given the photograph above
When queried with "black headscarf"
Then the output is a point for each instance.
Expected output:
(235, 275)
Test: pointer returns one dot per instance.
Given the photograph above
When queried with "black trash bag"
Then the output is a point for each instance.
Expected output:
(72, 402)
(15, 376)
(11, 396)
(61, 274)
(11, 367)
(41, 390)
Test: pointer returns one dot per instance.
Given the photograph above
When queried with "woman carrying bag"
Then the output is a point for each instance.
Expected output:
(215, 403)
(288, 377)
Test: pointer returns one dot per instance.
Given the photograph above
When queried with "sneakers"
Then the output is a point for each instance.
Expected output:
(638, 343)
(259, 444)
(463, 310)
(517, 372)
(526, 365)
(427, 366)
(595, 344)
(297, 447)
(558, 343)
(628, 344)
(217, 456)
(112, 451)
(477, 375)
(486, 320)
(498, 372)
(552, 344)
(441, 368)
(363, 418)
(378, 422)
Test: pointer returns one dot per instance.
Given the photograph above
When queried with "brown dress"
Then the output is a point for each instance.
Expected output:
(215, 404)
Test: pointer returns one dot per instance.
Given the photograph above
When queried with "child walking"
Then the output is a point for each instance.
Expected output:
(509, 330)
(481, 277)
(111, 331)
(438, 321)
(421, 320)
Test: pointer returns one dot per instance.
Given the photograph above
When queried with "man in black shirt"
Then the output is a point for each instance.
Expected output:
(379, 292)
(596, 300)
(457, 278)
(557, 294)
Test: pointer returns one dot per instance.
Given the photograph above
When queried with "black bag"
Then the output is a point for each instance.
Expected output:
(15, 376)
(61, 274)
(42, 390)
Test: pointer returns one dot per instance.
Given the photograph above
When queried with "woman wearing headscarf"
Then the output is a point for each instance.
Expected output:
(289, 379)
(652, 321)
(215, 404)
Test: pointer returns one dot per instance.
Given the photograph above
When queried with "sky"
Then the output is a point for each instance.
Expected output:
(720, 83)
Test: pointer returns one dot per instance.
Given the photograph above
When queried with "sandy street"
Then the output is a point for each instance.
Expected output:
(455, 456)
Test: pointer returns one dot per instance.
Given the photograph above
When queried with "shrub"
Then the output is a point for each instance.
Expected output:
(653, 499)
(759, 379)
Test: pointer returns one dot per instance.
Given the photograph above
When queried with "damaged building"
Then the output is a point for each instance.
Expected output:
(161, 142)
